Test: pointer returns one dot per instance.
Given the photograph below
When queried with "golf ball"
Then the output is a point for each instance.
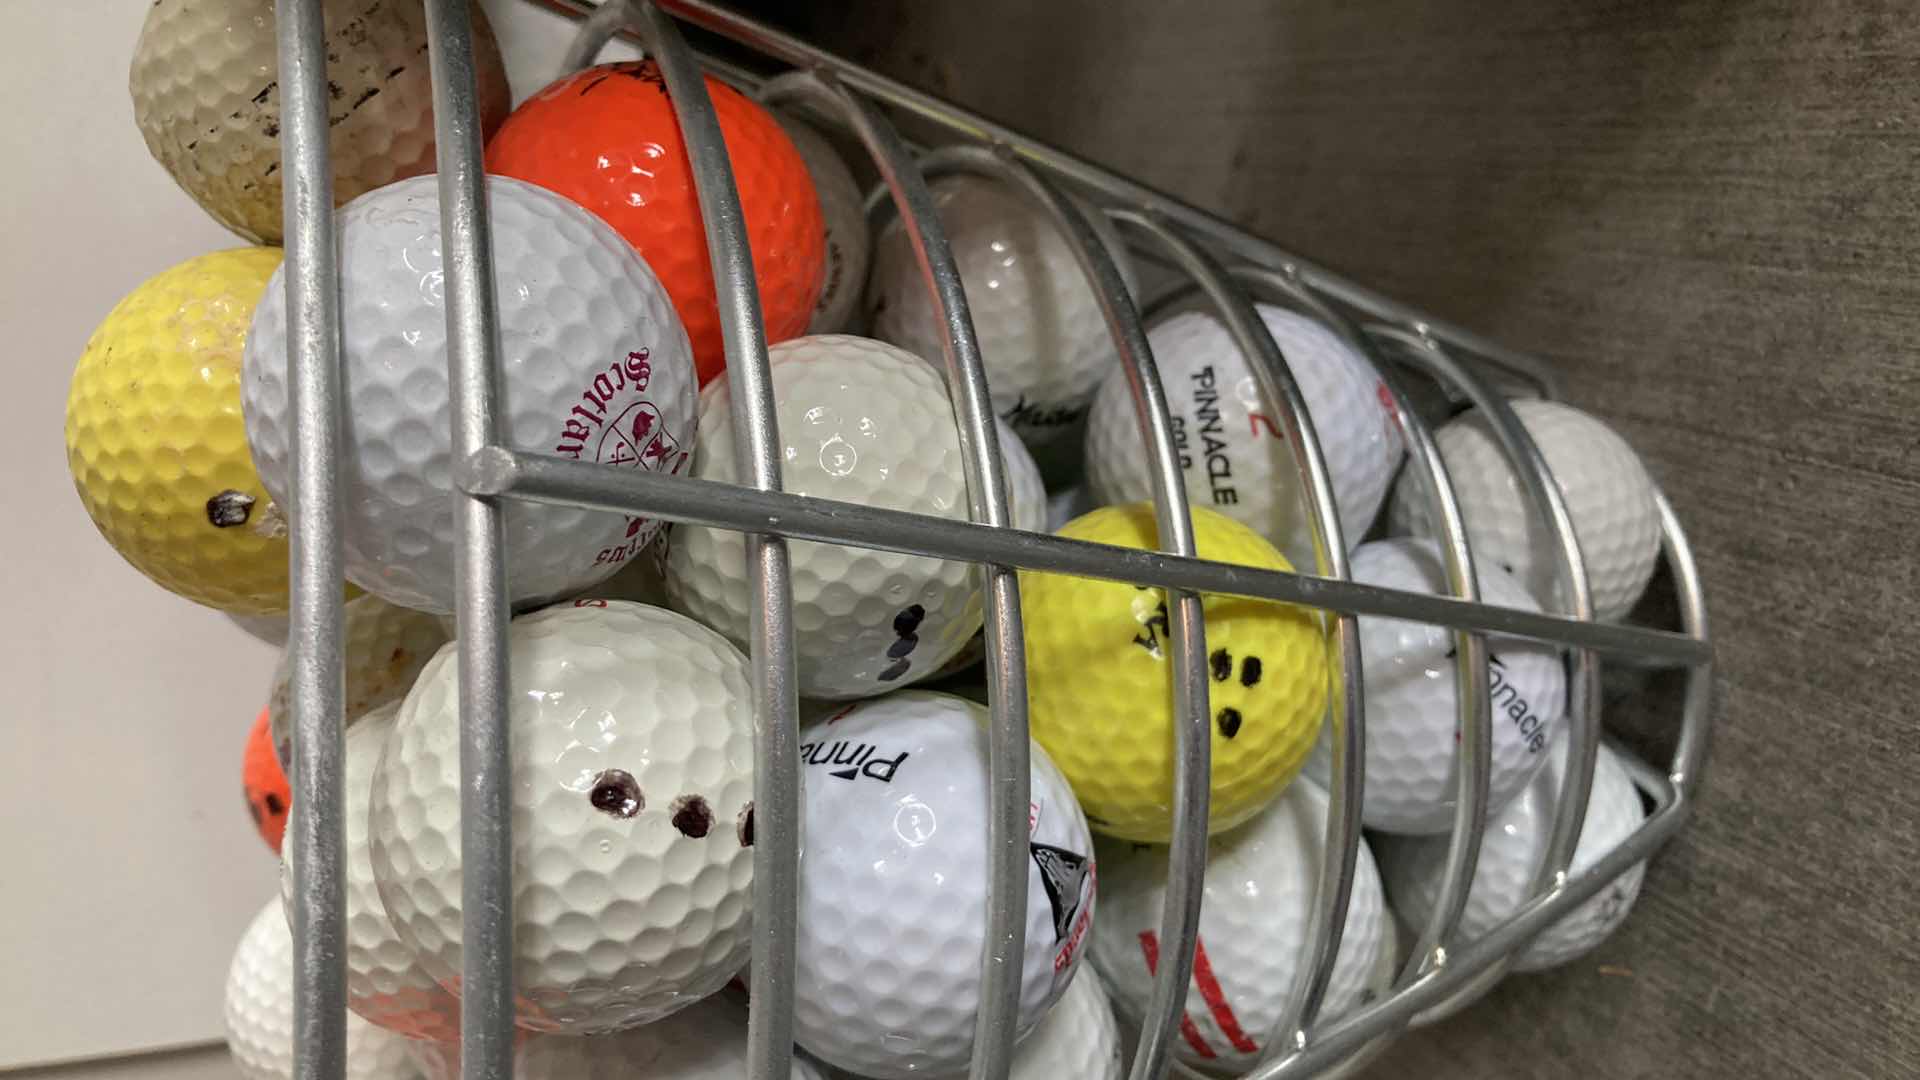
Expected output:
(268, 797)
(607, 138)
(386, 983)
(1233, 448)
(259, 1011)
(866, 423)
(1254, 929)
(594, 367)
(383, 648)
(156, 443)
(1510, 856)
(843, 208)
(893, 886)
(206, 96)
(1100, 689)
(631, 734)
(1042, 337)
(705, 1041)
(1411, 697)
(1608, 494)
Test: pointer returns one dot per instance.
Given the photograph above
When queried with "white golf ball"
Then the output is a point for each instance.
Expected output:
(1233, 448)
(386, 983)
(1078, 1039)
(893, 886)
(206, 96)
(631, 730)
(1607, 491)
(1042, 337)
(1510, 856)
(259, 1011)
(866, 423)
(1411, 697)
(595, 366)
(383, 648)
(849, 244)
(1253, 927)
(705, 1041)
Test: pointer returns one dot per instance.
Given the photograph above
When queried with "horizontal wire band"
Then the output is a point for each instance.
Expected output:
(498, 472)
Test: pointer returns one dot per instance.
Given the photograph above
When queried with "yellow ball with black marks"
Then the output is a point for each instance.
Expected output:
(155, 440)
(1100, 683)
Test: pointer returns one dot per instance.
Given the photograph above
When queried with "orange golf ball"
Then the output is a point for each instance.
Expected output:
(607, 139)
(268, 796)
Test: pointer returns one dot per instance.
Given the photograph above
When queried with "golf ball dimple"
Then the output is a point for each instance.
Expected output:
(1233, 448)
(893, 886)
(1411, 697)
(206, 96)
(1510, 857)
(608, 139)
(863, 422)
(1043, 340)
(1607, 490)
(844, 211)
(383, 649)
(631, 735)
(155, 440)
(259, 1011)
(1099, 682)
(386, 983)
(1255, 922)
(594, 367)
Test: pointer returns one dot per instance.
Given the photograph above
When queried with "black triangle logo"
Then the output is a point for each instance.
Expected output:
(845, 774)
(1062, 873)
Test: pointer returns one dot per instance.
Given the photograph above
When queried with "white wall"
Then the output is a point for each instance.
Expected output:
(128, 864)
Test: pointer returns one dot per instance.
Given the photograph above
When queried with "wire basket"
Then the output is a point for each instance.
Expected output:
(1223, 265)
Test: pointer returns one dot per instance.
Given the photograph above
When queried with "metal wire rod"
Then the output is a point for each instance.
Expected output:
(314, 638)
(1003, 946)
(776, 865)
(480, 572)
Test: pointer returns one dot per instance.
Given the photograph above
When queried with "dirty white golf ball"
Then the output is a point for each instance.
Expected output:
(595, 367)
(1608, 494)
(259, 1011)
(206, 97)
(849, 244)
(1510, 855)
(383, 648)
(1253, 925)
(1233, 449)
(386, 983)
(705, 1041)
(1411, 697)
(1043, 340)
(862, 422)
(631, 731)
(893, 886)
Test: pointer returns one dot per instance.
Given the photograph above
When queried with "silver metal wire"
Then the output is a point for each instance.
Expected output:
(1214, 255)
(314, 634)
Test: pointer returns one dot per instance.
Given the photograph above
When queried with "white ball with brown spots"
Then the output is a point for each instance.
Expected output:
(862, 422)
(631, 735)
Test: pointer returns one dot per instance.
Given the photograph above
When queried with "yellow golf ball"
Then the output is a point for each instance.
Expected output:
(155, 441)
(1100, 685)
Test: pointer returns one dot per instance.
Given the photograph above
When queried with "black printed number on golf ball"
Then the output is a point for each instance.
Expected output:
(905, 627)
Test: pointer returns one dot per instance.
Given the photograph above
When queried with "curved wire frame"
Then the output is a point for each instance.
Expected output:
(1222, 263)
